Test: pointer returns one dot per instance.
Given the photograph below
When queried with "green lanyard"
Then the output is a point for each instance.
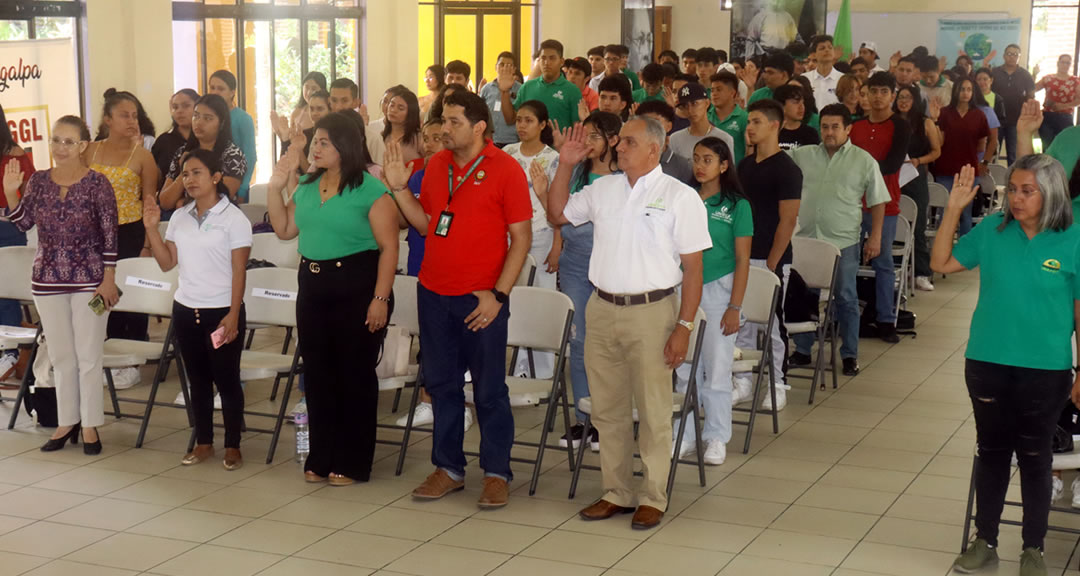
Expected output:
(450, 178)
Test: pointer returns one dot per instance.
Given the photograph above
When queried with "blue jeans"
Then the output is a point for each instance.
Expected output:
(847, 307)
(10, 312)
(1053, 124)
(965, 217)
(884, 269)
(574, 282)
(1007, 134)
(450, 348)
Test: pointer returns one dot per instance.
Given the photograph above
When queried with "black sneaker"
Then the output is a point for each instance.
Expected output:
(574, 435)
(800, 359)
(851, 366)
(594, 440)
(887, 332)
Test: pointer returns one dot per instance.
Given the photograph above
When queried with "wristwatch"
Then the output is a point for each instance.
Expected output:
(688, 325)
(501, 297)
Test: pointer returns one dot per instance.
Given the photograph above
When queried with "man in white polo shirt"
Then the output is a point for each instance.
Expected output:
(646, 225)
(824, 77)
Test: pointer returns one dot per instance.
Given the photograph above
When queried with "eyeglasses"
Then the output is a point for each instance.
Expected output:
(64, 142)
(1012, 53)
(595, 136)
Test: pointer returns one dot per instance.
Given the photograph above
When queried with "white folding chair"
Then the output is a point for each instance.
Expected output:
(280, 253)
(904, 248)
(682, 405)
(939, 199)
(17, 262)
(405, 316)
(528, 272)
(759, 306)
(818, 262)
(908, 208)
(403, 257)
(256, 213)
(257, 194)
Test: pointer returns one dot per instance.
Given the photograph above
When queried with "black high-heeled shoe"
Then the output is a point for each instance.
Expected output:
(55, 444)
(92, 448)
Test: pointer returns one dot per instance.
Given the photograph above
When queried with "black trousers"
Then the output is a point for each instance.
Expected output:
(129, 244)
(340, 355)
(207, 367)
(1016, 410)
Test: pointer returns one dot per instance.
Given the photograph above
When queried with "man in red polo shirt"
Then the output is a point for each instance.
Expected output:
(885, 136)
(472, 196)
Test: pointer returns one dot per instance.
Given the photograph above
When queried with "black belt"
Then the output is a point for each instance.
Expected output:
(635, 299)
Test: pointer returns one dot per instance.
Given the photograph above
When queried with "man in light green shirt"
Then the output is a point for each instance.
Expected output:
(838, 178)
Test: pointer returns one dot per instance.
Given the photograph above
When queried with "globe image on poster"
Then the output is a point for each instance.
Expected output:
(977, 46)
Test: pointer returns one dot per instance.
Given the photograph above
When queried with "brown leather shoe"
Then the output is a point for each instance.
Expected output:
(602, 510)
(646, 517)
(496, 493)
(233, 459)
(437, 485)
(200, 453)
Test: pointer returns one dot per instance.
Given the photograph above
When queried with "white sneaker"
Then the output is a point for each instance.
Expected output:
(923, 283)
(180, 399)
(468, 418)
(689, 443)
(7, 365)
(1057, 488)
(715, 452)
(468, 377)
(124, 378)
(781, 400)
(1075, 488)
(217, 401)
(423, 415)
(742, 390)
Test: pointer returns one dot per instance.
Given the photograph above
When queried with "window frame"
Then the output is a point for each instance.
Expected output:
(511, 8)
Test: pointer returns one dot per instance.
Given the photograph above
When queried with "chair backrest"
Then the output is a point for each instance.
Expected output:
(814, 260)
(538, 318)
(257, 193)
(403, 256)
(699, 327)
(908, 208)
(256, 213)
(32, 237)
(147, 290)
(271, 296)
(528, 272)
(904, 231)
(999, 173)
(761, 290)
(939, 195)
(17, 262)
(282, 253)
(405, 314)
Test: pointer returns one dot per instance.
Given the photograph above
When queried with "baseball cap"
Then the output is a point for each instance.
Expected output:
(691, 92)
(871, 46)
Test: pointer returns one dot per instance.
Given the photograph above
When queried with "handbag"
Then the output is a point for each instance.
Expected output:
(394, 356)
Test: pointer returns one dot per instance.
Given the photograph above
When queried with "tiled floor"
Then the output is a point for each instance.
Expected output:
(870, 480)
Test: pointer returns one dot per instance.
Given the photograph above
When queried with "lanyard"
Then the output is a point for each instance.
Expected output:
(450, 178)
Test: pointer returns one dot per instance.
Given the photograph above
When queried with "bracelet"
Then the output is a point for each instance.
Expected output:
(734, 307)
(382, 299)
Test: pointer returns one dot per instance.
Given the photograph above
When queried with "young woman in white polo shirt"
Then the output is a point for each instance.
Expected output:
(210, 240)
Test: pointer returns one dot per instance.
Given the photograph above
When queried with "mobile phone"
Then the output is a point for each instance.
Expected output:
(217, 337)
(97, 303)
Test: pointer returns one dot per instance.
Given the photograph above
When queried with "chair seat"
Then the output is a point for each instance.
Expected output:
(121, 361)
(148, 351)
(259, 365)
(523, 391)
(801, 327)
(399, 382)
(15, 336)
(677, 399)
(256, 326)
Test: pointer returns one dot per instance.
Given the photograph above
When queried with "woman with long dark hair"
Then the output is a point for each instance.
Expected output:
(181, 108)
(210, 241)
(314, 83)
(10, 312)
(403, 124)
(726, 270)
(964, 134)
(241, 125)
(347, 229)
(434, 80)
(601, 136)
(210, 130)
(923, 148)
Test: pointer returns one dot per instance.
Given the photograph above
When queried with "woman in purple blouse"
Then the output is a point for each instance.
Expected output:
(74, 209)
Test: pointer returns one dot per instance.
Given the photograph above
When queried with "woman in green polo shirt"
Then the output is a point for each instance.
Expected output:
(1019, 360)
(726, 269)
(348, 240)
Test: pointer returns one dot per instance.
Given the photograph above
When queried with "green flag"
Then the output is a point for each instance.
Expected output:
(842, 31)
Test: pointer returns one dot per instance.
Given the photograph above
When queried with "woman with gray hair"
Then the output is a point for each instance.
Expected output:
(1019, 362)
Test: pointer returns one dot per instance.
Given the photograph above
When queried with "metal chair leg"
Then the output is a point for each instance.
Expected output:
(580, 457)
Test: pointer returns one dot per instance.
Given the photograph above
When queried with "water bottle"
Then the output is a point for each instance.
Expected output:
(303, 444)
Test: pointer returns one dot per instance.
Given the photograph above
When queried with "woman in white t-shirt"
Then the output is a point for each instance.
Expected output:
(535, 137)
(210, 240)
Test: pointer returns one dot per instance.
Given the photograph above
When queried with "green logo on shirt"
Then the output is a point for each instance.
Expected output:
(1052, 266)
(657, 204)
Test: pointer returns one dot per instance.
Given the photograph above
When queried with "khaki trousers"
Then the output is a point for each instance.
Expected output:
(76, 338)
(624, 359)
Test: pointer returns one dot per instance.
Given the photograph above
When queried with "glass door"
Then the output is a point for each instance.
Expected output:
(477, 36)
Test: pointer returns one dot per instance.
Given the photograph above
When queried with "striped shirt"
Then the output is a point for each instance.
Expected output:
(76, 234)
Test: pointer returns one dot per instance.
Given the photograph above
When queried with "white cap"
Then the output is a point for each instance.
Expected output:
(872, 46)
(727, 67)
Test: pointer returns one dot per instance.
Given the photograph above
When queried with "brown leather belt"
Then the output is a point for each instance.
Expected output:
(635, 299)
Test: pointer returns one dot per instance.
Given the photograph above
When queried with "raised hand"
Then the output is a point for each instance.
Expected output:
(539, 179)
(395, 171)
(151, 216)
(574, 148)
(280, 124)
(963, 188)
(297, 138)
(894, 60)
(669, 97)
(634, 107)
(558, 136)
(364, 114)
(1031, 118)
(285, 167)
(582, 109)
(933, 109)
(505, 82)
(13, 176)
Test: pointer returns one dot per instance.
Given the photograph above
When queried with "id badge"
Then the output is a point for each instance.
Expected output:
(442, 227)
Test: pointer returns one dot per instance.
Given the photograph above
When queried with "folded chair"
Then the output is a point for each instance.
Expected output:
(817, 262)
(759, 306)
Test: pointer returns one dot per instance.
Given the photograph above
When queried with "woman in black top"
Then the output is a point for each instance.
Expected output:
(923, 148)
(181, 107)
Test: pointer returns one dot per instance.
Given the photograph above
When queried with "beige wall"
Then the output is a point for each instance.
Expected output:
(129, 47)
(697, 23)
(390, 46)
(581, 24)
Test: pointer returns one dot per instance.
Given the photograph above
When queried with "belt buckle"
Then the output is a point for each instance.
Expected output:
(314, 267)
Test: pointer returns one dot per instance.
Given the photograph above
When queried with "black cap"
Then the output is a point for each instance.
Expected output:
(691, 92)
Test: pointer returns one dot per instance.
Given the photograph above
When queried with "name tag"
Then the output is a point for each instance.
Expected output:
(148, 284)
(498, 106)
(273, 294)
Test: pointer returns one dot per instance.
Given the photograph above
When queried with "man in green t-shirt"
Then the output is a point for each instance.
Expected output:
(725, 114)
(777, 71)
(551, 87)
(652, 75)
(624, 66)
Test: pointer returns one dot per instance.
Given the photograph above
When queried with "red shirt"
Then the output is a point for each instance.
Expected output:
(887, 142)
(27, 164)
(962, 135)
(591, 98)
(496, 195)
